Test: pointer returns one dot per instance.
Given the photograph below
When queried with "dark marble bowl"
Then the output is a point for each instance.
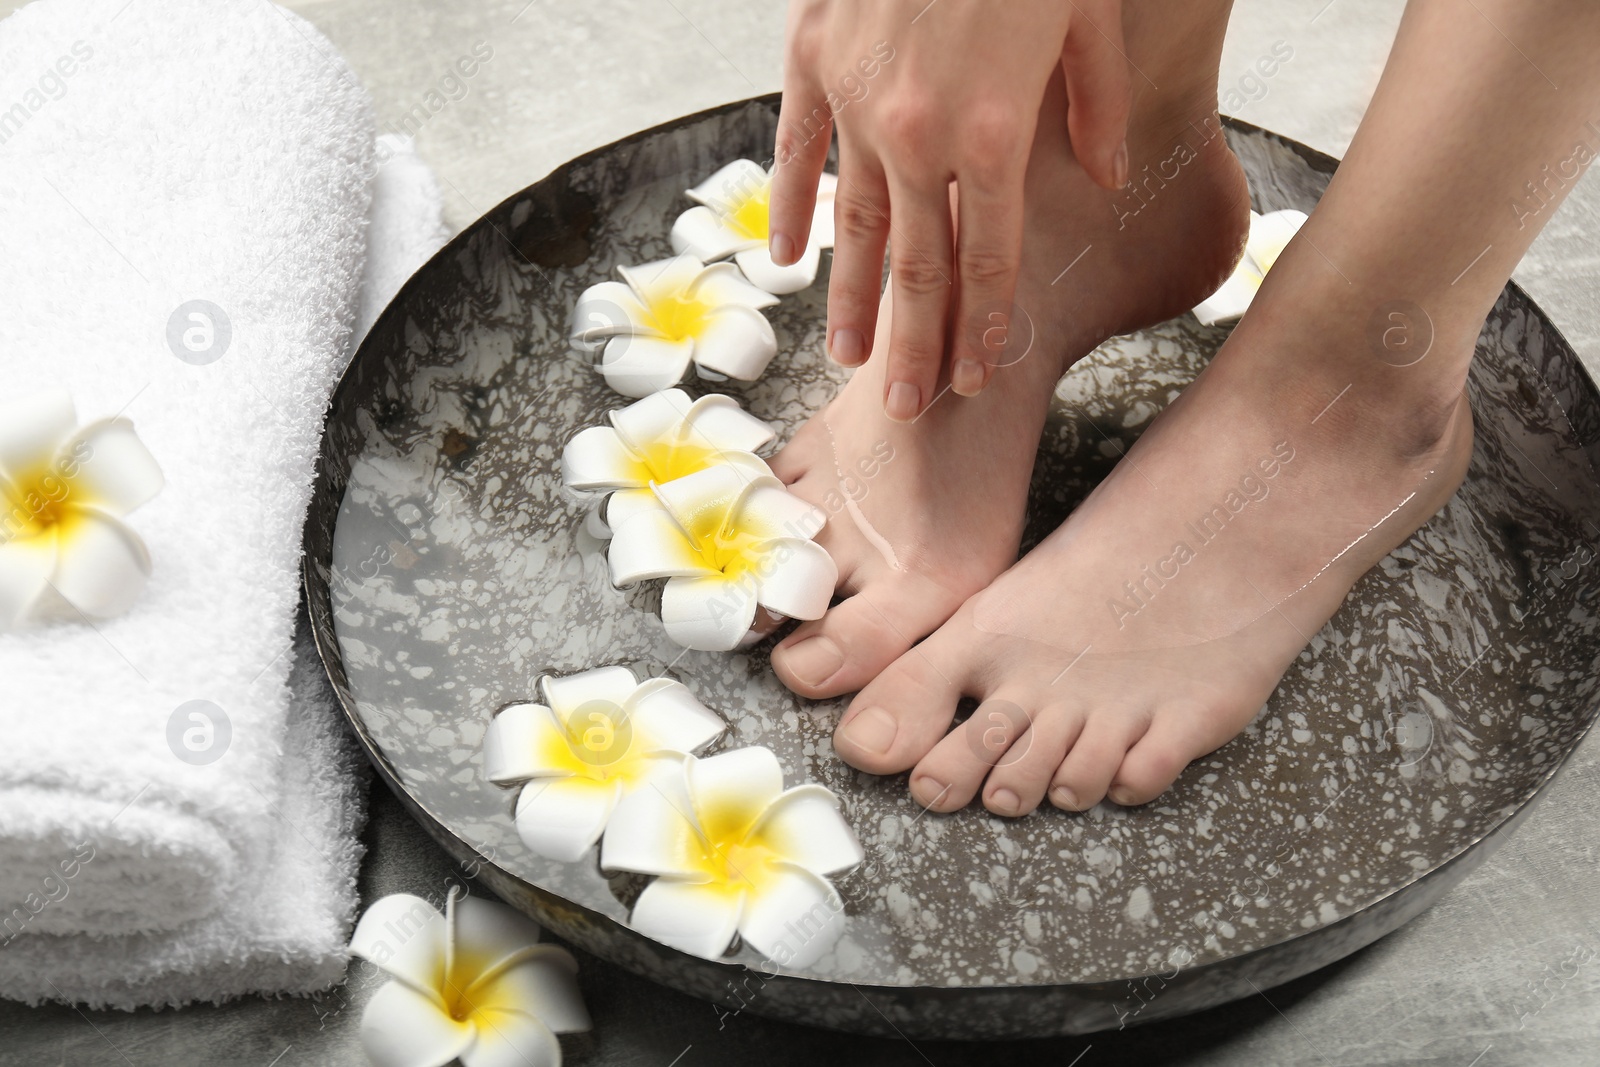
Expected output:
(446, 571)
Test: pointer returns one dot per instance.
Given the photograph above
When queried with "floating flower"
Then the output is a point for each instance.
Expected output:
(1270, 234)
(472, 984)
(727, 543)
(735, 854)
(598, 736)
(732, 221)
(64, 490)
(662, 437)
(665, 315)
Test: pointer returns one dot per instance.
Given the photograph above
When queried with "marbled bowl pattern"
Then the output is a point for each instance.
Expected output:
(447, 570)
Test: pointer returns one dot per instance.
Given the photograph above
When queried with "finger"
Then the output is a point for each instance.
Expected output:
(988, 256)
(805, 129)
(1099, 91)
(921, 276)
(860, 233)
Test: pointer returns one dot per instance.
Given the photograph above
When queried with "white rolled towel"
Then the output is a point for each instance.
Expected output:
(175, 151)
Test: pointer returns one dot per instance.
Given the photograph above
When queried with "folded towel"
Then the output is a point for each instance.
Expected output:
(166, 153)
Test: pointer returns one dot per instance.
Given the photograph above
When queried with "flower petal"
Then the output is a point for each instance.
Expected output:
(518, 741)
(115, 471)
(652, 830)
(662, 276)
(606, 310)
(768, 509)
(697, 919)
(800, 580)
(25, 569)
(624, 504)
(567, 693)
(805, 827)
(822, 214)
(102, 565)
(668, 717)
(724, 283)
(402, 1028)
(644, 422)
(32, 427)
(404, 935)
(1270, 234)
(793, 918)
(719, 422)
(732, 789)
(711, 614)
(650, 544)
(702, 503)
(598, 458)
(639, 366)
(562, 818)
(758, 266)
(732, 184)
(491, 937)
(512, 1039)
(737, 341)
(704, 234)
(542, 985)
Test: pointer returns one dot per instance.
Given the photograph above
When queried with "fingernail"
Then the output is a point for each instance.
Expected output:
(1005, 801)
(780, 246)
(872, 731)
(931, 788)
(849, 349)
(1119, 165)
(966, 377)
(814, 660)
(903, 403)
(1062, 797)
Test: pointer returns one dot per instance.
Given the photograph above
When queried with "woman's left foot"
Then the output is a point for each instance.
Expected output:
(1157, 620)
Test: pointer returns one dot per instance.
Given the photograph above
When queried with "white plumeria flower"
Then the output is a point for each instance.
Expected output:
(727, 543)
(731, 220)
(735, 854)
(64, 490)
(663, 316)
(472, 984)
(662, 437)
(1270, 234)
(598, 736)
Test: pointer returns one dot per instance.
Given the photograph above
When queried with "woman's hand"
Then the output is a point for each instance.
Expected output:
(954, 99)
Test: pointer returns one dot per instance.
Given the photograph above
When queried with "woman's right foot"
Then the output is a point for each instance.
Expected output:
(924, 514)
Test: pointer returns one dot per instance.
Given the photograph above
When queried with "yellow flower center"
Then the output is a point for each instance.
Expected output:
(662, 461)
(678, 314)
(596, 742)
(750, 214)
(721, 545)
(38, 503)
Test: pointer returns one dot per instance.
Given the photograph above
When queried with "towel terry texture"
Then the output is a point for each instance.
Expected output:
(184, 150)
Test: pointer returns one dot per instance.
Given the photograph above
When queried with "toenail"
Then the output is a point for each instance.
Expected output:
(1063, 797)
(966, 377)
(872, 731)
(848, 348)
(1004, 800)
(814, 660)
(1121, 795)
(903, 402)
(931, 788)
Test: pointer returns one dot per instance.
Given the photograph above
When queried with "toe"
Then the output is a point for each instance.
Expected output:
(1019, 780)
(1084, 775)
(948, 777)
(860, 636)
(897, 719)
(795, 459)
(1176, 737)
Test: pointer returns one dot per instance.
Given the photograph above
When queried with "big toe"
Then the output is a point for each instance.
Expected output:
(903, 713)
(860, 636)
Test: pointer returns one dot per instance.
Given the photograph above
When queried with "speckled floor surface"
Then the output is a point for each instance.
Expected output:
(1504, 970)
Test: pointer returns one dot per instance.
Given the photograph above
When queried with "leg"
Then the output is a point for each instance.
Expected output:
(923, 515)
(1157, 620)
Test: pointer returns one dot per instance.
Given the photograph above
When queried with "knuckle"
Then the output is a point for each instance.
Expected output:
(994, 136)
(857, 217)
(918, 275)
(986, 268)
(908, 124)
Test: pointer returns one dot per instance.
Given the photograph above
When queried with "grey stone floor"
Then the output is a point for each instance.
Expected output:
(1502, 971)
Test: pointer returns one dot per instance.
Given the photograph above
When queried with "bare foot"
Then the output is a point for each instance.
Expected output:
(924, 514)
(1156, 621)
